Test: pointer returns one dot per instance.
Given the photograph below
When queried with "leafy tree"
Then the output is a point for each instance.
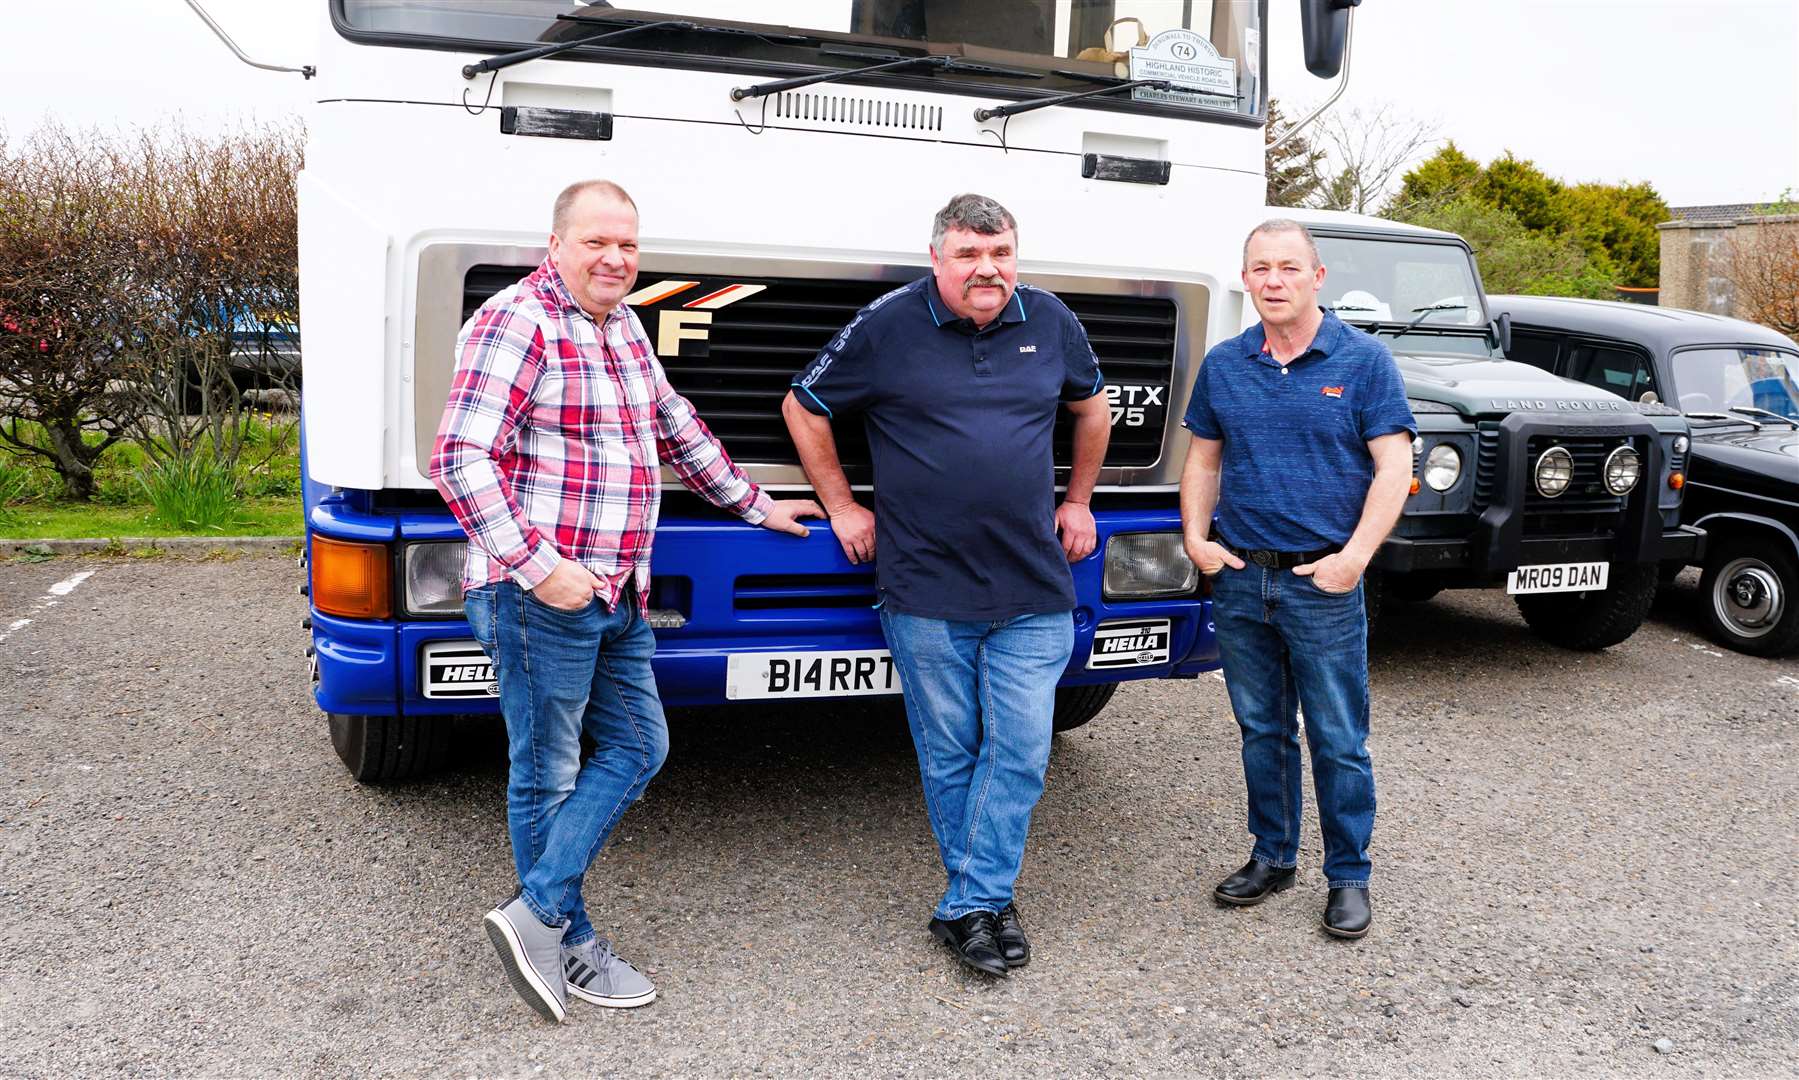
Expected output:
(1617, 223)
(1525, 190)
(1292, 169)
(1512, 258)
(1440, 178)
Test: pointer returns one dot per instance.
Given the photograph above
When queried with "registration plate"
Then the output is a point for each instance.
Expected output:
(844, 673)
(1558, 577)
(456, 669)
(1126, 643)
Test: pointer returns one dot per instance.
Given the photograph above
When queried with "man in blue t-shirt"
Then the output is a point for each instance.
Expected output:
(959, 376)
(1302, 447)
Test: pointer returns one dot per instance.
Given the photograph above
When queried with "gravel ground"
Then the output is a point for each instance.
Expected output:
(1577, 857)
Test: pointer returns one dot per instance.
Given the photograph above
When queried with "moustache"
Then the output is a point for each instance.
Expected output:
(975, 283)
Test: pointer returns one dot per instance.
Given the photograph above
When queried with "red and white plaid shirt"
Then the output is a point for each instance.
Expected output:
(551, 437)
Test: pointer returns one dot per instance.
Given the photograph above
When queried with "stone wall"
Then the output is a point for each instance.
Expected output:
(1696, 258)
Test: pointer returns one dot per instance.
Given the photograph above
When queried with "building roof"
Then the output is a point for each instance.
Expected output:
(1719, 214)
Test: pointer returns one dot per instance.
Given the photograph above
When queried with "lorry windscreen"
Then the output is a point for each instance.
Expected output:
(1422, 288)
(1071, 45)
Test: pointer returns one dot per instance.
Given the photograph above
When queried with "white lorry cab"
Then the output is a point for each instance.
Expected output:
(786, 159)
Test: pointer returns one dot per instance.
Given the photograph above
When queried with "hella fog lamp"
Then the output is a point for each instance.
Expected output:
(1144, 565)
(434, 577)
(1622, 470)
(1442, 467)
(1554, 471)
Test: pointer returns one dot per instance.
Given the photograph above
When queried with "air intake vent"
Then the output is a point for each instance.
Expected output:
(859, 111)
(754, 346)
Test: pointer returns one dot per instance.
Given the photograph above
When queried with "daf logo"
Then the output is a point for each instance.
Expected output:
(692, 319)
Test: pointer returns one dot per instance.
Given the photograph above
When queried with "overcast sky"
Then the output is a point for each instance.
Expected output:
(1698, 97)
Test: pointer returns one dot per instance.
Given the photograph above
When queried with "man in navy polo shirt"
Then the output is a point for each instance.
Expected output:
(1302, 446)
(960, 375)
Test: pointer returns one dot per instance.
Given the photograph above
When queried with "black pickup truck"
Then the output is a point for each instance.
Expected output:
(1738, 384)
(1557, 490)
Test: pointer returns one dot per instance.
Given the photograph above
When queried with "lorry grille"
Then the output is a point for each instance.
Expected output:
(770, 592)
(738, 376)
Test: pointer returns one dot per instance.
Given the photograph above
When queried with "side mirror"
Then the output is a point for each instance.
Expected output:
(1502, 333)
(1324, 26)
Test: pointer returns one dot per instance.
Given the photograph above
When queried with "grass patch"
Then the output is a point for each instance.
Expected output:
(269, 516)
(192, 493)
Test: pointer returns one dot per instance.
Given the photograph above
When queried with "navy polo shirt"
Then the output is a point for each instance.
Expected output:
(1296, 467)
(959, 423)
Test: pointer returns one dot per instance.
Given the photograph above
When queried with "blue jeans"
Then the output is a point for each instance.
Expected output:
(979, 698)
(563, 674)
(1289, 646)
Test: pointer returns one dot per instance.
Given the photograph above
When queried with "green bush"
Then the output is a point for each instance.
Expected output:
(192, 492)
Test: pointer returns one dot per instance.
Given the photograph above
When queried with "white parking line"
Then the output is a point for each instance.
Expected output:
(56, 592)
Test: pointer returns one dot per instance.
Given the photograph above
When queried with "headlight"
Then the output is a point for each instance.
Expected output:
(1622, 470)
(1554, 471)
(1681, 444)
(434, 577)
(1442, 467)
(1143, 565)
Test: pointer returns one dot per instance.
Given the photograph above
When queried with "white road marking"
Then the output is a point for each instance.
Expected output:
(67, 585)
(62, 588)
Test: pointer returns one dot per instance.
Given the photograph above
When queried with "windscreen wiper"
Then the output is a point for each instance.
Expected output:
(1423, 313)
(536, 52)
(897, 63)
(982, 115)
(1748, 410)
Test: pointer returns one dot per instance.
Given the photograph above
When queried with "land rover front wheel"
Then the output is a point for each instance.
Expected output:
(1748, 599)
(377, 748)
(1075, 705)
(1593, 620)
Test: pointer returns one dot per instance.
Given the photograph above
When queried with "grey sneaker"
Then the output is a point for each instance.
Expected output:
(531, 953)
(595, 973)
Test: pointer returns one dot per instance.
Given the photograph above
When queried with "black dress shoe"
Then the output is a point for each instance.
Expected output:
(1346, 913)
(1253, 884)
(1013, 945)
(973, 939)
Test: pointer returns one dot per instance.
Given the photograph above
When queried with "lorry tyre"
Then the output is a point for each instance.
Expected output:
(1747, 597)
(378, 748)
(1594, 620)
(1075, 705)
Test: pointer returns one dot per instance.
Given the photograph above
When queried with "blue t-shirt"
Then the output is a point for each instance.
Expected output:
(1296, 467)
(959, 426)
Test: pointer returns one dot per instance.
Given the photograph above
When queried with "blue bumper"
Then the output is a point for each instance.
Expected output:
(742, 589)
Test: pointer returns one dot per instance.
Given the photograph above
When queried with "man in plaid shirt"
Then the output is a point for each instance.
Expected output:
(548, 456)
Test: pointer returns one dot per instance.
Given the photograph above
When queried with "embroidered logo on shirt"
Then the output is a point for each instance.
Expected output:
(1332, 391)
(1027, 348)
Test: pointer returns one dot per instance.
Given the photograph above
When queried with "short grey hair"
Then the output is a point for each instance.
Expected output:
(976, 213)
(1283, 225)
(565, 202)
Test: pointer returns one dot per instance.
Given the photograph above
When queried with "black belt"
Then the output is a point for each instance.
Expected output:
(1276, 560)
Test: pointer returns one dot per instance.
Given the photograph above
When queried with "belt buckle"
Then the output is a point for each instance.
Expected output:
(1262, 558)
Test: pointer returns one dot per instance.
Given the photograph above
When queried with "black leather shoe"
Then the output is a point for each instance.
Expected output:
(1346, 913)
(1253, 884)
(1013, 945)
(973, 939)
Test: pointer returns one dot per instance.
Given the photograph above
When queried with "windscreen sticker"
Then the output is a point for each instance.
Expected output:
(1190, 62)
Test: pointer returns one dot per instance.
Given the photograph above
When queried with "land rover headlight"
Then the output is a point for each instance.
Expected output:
(1442, 467)
(1554, 471)
(1681, 444)
(1144, 565)
(433, 574)
(1623, 468)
